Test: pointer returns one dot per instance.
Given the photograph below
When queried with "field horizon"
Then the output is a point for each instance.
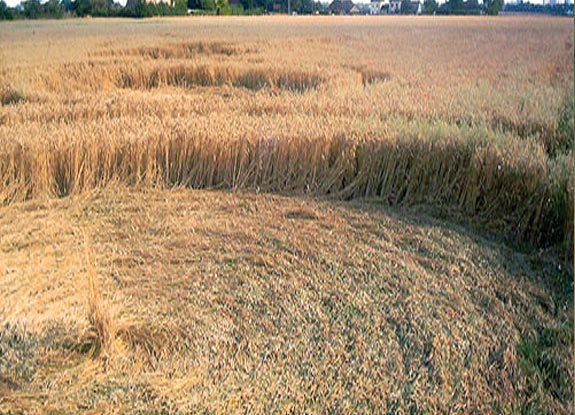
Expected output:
(287, 215)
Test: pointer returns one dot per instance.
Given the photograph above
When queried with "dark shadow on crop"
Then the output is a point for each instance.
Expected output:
(187, 50)
(210, 75)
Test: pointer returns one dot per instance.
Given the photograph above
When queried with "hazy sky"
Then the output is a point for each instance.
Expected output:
(13, 3)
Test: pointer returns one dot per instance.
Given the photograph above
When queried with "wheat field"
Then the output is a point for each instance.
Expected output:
(287, 215)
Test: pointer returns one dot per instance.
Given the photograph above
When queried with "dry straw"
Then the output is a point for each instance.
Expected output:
(502, 181)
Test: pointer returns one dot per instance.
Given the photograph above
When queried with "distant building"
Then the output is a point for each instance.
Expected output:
(393, 7)
(343, 7)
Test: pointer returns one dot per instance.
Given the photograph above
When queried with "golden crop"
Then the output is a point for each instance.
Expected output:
(463, 113)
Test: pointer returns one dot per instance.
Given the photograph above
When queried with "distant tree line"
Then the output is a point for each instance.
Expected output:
(33, 9)
(553, 9)
(57, 9)
(492, 7)
(461, 7)
(255, 7)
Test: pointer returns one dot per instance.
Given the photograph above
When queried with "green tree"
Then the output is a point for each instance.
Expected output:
(5, 12)
(53, 9)
(302, 6)
(407, 7)
(223, 8)
(207, 5)
(493, 7)
(238, 9)
(430, 6)
(455, 6)
(67, 5)
(247, 4)
(142, 9)
(181, 7)
(32, 9)
(82, 8)
(101, 8)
